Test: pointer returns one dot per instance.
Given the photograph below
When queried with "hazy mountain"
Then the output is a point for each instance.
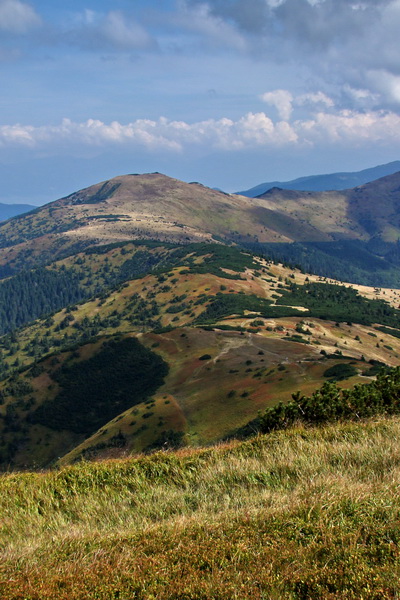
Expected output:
(332, 181)
(366, 211)
(11, 210)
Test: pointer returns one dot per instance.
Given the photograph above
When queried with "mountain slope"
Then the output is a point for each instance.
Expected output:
(231, 333)
(160, 208)
(369, 210)
(236, 334)
(129, 207)
(321, 183)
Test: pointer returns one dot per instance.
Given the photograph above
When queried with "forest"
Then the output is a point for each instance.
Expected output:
(94, 391)
(374, 263)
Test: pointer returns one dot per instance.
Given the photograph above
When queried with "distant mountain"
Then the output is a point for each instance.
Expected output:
(320, 183)
(12, 210)
(149, 206)
(367, 211)
(156, 207)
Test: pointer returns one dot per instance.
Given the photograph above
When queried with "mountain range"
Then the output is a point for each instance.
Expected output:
(350, 235)
(11, 210)
(331, 181)
(155, 337)
(144, 312)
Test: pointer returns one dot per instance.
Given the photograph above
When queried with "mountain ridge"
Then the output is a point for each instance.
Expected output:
(326, 182)
(156, 207)
(8, 211)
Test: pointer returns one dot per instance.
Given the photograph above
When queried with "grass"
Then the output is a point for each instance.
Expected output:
(300, 514)
(200, 391)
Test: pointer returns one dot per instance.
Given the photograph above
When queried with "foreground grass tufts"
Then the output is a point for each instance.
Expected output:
(298, 514)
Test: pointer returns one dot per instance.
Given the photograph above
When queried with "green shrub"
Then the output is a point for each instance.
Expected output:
(340, 371)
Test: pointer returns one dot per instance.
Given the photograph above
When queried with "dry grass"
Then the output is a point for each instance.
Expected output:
(294, 515)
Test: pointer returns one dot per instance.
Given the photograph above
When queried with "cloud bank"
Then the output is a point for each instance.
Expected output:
(251, 130)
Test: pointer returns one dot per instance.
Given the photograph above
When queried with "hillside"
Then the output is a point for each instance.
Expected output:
(326, 182)
(363, 225)
(150, 206)
(349, 235)
(369, 210)
(305, 513)
(231, 334)
(130, 320)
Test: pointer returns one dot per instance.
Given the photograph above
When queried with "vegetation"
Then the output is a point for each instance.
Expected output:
(219, 257)
(295, 515)
(31, 294)
(347, 260)
(331, 403)
(105, 191)
(94, 391)
(38, 292)
(393, 332)
(340, 371)
(339, 303)
(224, 305)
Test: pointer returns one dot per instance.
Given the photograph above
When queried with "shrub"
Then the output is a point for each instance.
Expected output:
(340, 371)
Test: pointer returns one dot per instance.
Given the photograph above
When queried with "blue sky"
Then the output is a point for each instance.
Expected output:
(225, 92)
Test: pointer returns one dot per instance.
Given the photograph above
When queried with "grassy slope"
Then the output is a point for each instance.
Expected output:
(204, 399)
(264, 282)
(350, 214)
(150, 206)
(301, 514)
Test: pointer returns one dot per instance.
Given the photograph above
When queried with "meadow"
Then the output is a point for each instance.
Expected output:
(305, 513)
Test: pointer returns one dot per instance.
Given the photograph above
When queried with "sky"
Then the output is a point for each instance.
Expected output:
(229, 93)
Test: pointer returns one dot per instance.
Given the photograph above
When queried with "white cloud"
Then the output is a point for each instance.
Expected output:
(387, 84)
(17, 16)
(361, 95)
(314, 98)
(282, 100)
(124, 33)
(351, 128)
(346, 128)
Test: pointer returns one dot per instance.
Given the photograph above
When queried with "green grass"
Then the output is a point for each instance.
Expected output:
(300, 514)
